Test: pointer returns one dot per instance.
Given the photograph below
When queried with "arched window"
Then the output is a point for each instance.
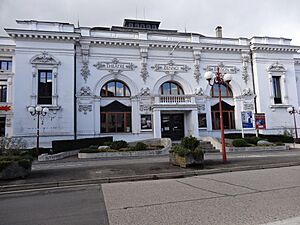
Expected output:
(115, 88)
(171, 88)
(225, 91)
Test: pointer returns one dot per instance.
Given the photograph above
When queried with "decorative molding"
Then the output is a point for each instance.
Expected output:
(144, 72)
(115, 66)
(44, 59)
(85, 71)
(171, 68)
(223, 69)
(85, 108)
(248, 106)
(145, 107)
(201, 107)
(247, 93)
(277, 67)
(199, 92)
(245, 61)
(145, 92)
(197, 57)
(85, 91)
(144, 57)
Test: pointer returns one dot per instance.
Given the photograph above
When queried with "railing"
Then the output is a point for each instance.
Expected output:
(174, 99)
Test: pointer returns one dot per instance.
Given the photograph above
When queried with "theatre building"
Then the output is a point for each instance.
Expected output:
(138, 81)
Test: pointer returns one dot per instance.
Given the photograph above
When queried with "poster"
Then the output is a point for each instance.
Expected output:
(260, 121)
(247, 119)
(146, 122)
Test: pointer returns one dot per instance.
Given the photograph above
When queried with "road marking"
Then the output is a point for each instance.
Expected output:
(290, 221)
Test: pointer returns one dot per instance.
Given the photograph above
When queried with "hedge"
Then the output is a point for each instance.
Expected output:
(69, 145)
(271, 138)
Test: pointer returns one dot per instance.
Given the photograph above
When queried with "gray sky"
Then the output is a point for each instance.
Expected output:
(239, 18)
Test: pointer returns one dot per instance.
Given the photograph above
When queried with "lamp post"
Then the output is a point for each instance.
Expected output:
(293, 111)
(38, 111)
(219, 80)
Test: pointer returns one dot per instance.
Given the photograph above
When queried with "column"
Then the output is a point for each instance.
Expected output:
(156, 123)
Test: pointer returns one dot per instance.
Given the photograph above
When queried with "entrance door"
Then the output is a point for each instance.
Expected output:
(172, 126)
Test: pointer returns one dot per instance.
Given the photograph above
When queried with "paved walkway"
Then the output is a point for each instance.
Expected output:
(72, 170)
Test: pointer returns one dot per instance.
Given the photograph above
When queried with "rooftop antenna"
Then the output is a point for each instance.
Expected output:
(185, 28)
(144, 13)
(78, 21)
(171, 52)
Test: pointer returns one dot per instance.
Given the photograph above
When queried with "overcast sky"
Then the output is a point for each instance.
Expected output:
(239, 18)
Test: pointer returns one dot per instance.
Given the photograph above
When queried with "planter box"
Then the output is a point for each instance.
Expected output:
(185, 161)
(14, 170)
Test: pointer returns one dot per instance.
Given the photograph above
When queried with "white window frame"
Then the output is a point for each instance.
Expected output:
(44, 61)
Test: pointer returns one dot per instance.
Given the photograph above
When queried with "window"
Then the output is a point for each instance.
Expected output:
(5, 65)
(115, 118)
(115, 122)
(2, 126)
(171, 88)
(202, 120)
(225, 90)
(45, 87)
(276, 90)
(3, 93)
(115, 89)
(228, 116)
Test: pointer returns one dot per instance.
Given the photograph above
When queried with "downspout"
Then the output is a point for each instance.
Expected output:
(253, 83)
(75, 98)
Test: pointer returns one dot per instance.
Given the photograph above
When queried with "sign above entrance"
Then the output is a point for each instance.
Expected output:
(115, 66)
(171, 68)
(223, 69)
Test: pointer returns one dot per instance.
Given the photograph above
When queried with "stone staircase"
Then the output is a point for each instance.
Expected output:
(208, 147)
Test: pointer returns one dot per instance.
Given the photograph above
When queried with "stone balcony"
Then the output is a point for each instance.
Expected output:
(174, 100)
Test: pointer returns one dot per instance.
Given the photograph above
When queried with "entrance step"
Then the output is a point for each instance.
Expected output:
(208, 147)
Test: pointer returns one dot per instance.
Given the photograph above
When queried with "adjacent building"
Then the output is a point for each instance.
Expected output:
(138, 81)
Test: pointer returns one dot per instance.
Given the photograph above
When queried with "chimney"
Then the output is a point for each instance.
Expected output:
(219, 32)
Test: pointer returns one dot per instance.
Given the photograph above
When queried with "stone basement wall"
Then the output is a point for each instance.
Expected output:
(61, 155)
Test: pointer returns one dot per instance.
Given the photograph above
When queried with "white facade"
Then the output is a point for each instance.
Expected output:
(83, 60)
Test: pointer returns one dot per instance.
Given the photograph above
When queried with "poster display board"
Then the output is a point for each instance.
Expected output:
(260, 121)
(247, 119)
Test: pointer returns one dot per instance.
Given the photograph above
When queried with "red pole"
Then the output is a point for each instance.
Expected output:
(221, 118)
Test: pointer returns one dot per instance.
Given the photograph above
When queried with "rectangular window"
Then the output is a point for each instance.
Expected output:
(115, 122)
(277, 90)
(3, 93)
(202, 120)
(5, 65)
(2, 126)
(228, 120)
(45, 87)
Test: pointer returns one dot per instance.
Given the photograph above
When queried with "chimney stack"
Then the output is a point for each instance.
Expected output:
(219, 32)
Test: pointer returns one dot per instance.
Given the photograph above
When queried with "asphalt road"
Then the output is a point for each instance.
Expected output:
(270, 196)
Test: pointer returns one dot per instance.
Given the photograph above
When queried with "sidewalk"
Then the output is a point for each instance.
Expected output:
(74, 171)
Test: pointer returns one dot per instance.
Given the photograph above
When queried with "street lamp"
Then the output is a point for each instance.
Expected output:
(293, 111)
(38, 111)
(219, 80)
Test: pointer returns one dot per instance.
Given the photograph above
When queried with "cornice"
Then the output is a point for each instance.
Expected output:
(45, 35)
(7, 49)
(274, 48)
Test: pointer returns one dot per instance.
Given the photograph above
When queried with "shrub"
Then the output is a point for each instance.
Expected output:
(107, 143)
(25, 163)
(11, 145)
(252, 140)
(198, 153)
(4, 164)
(180, 150)
(119, 144)
(89, 150)
(240, 143)
(140, 146)
(93, 147)
(189, 142)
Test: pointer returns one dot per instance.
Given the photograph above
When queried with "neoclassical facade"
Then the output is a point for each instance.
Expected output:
(138, 81)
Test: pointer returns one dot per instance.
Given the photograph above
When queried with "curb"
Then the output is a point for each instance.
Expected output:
(12, 189)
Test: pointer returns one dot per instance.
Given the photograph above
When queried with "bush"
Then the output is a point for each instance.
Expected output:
(140, 146)
(4, 164)
(89, 150)
(190, 142)
(270, 138)
(240, 143)
(93, 147)
(117, 145)
(252, 140)
(198, 153)
(69, 145)
(181, 150)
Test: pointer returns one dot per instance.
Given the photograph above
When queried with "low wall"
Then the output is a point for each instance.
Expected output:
(166, 142)
(61, 155)
(257, 148)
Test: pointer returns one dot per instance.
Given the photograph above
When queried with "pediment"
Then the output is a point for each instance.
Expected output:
(277, 67)
(45, 59)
